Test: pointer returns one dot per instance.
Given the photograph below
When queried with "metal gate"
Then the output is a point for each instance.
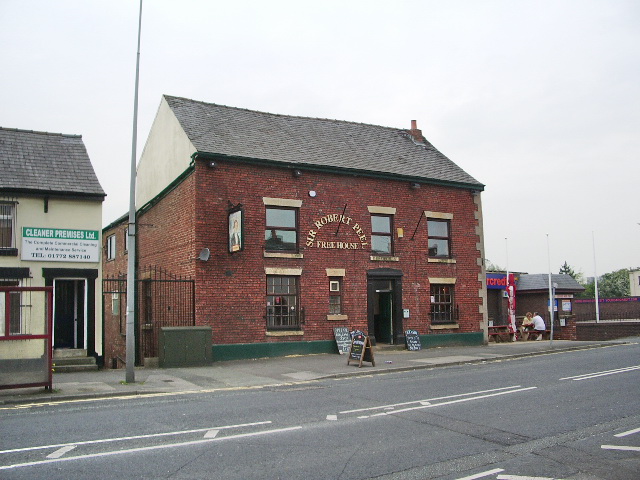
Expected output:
(162, 300)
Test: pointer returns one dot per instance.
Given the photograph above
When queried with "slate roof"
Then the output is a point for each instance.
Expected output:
(540, 281)
(46, 162)
(314, 142)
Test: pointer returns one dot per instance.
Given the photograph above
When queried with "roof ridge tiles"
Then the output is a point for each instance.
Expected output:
(283, 115)
(40, 132)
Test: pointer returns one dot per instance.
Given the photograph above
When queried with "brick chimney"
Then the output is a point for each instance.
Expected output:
(416, 133)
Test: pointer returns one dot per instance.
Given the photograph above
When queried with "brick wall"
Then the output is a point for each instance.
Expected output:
(610, 308)
(114, 320)
(231, 288)
(607, 330)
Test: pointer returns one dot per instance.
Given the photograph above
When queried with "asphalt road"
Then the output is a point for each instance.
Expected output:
(572, 415)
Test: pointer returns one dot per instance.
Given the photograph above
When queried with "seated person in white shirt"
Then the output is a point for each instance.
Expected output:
(538, 326)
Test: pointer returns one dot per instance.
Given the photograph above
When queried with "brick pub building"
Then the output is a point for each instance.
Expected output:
(291, 226)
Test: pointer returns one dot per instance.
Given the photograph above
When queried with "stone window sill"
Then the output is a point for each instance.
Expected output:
(445, 326)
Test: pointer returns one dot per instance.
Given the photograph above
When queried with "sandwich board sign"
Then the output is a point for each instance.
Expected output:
(361, 350)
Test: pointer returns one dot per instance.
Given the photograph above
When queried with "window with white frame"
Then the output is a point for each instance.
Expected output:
(126, 239)
(111, 247)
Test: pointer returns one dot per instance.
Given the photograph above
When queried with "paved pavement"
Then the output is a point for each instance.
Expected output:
(278, 371)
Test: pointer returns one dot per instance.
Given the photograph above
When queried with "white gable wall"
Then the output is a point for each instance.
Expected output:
(166, 155)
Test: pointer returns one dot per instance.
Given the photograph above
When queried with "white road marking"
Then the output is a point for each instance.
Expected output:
(451, 402)
(588, 376)
(482, 474)
(211, 434)
(621, 447)
(61, 451)
(144, 449)
(630, 432)
(135, 437)
(332, 417)
(520, 477)
(428, 400)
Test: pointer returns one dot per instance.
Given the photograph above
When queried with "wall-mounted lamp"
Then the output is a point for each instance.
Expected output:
(212, 164)
(204, 254)
(415, 185)
(297, 173)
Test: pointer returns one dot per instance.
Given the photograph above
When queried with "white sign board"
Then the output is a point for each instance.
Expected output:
(60, 245)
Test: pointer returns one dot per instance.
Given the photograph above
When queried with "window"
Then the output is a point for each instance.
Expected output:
(15, 304)
(282, 302)
(281, 233)
(7, 226)
(111, 247)
(335, 296)
(442, 306)
(439, 238)
(381, 238)
(126, 239)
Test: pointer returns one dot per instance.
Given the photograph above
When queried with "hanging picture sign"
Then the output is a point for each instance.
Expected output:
(236, 230)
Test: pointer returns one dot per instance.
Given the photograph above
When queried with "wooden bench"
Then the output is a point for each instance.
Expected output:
(533, 335)
(499, 333)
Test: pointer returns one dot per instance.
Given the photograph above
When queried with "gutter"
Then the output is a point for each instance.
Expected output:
(336, 170)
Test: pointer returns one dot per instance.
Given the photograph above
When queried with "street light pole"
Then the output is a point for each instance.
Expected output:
(550, 289)
(595, 277)
(130, 358)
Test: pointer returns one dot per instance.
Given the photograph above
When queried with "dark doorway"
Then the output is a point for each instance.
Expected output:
(384, 304)
(383, 316)
(69, 314)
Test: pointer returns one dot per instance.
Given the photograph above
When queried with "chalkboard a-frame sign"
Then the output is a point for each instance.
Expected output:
(343, 339)
(361, 350)
(412, 340)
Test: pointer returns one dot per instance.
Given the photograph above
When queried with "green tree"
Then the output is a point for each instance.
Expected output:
(614, 284)
(610, 285)
(566, 269)
(490, 267)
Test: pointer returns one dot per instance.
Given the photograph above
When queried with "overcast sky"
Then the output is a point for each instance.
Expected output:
(539, 100)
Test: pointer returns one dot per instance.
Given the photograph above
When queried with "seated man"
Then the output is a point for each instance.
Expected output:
(538, 326)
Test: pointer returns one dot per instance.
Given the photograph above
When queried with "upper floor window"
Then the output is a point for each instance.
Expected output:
(126, 239)
(111, 247)
(7, 225)
(281, 232)
(439, 238)
(381, 237)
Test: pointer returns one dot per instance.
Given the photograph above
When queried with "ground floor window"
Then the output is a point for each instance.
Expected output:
(335, 296)
(442, 304)
(282, 302)
(14, 299)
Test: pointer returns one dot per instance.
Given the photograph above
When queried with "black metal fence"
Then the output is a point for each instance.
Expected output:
(163, 300)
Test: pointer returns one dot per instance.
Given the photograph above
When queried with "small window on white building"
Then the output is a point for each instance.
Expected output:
(7, 225)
